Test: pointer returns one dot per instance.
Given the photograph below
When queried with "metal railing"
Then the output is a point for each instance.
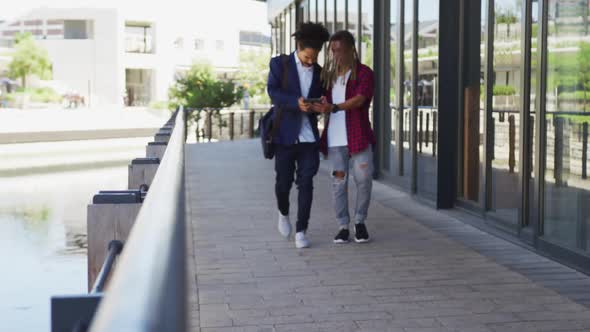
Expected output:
(147, 291)
(227, 124)
(115, 248)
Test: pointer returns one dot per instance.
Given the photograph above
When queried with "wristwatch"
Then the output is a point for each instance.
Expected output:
(335, 108)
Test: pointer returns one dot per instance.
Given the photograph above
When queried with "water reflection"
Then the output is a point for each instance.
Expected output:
(43, 234)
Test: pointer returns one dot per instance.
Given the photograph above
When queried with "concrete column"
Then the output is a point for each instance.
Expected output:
(156, 150)
(142, 172)
(110, 217)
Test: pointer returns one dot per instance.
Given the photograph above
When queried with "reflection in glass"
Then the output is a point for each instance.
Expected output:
(293, 28)
(471, 179)
(427, 95)
(330, 18)
(340, 10)
(139, 38)
(567, 189)
(353, 18)
(366, 50)
(393, 96)
(407, 92)
(505, 200)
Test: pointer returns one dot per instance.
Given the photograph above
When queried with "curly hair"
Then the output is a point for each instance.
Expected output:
(311, 35)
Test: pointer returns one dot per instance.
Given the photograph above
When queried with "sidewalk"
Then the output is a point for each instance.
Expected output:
(414, 276)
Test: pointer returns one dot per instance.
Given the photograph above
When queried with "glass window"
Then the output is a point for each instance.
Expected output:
(304, 6)
(199, 44)
(366, 51)
(179, 43)
(393, 96)
(139, 38)
(138, 86)
(330, 18)
(353, 18)
(287, 32)
(313, 10)
(322, 11)
(282, 34)
(73, 29)
(505, 201)
(340, 11)
(321, 19)
(406, 166)
(273, 39)
(293, 28)
(567, 188)
(471, 182)
(426, 96)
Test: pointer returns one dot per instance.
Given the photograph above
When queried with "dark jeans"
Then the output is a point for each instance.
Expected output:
(302, 159)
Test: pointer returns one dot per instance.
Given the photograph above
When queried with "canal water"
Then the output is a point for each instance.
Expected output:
(44, 191)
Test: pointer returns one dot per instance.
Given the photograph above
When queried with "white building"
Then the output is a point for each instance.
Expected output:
(131, 53)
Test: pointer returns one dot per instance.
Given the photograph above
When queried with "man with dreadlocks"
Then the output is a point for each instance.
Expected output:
(348, 138)
(292, 79)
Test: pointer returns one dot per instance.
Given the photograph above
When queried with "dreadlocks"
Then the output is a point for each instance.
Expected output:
(332, 67)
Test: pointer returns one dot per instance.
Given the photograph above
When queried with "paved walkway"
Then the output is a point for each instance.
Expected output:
(423, 271)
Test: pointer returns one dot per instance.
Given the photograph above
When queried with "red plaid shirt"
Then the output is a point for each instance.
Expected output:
(358, 125)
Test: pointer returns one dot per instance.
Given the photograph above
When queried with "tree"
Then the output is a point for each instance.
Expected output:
(505, 16)
(254, 74)
(28, 59)
(584, 68)
(199, 90)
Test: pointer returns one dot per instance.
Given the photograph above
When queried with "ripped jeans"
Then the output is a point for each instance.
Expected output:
(361, 166)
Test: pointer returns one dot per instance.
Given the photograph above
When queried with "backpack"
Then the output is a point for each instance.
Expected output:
(267, 125)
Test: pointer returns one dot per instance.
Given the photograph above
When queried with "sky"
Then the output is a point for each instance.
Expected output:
(249, 14)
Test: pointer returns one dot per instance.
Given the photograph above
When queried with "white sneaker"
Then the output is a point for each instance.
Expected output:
(284, 225)
(301, 241)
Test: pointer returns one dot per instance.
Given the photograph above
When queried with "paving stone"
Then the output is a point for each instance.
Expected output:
(423, 270)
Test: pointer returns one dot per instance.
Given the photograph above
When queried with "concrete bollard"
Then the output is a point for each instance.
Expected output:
(162, 137)
(156, 150)
(142, 172)
(110, 217)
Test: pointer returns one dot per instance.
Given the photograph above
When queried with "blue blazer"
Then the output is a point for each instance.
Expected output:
(290, 126)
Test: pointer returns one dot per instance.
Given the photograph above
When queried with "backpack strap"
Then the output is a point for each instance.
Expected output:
(277, 122)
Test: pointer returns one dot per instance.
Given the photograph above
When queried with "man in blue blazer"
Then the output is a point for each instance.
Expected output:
(297, 137)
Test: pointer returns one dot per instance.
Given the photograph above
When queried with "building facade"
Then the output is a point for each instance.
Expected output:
(130, 55)
(481, 105)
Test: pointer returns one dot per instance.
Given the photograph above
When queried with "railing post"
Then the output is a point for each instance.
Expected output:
(427, 138)
(493, 138)
(420, 132)
(531, 139)
(241, 123)
(511, 141)
(251, 124)
(110, 217)
(584, 149)
(231, 126)
(209, 125)
(141, 172)
(558, 151)
(434, 132)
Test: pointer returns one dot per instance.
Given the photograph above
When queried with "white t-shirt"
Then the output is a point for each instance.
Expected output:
(337, 126)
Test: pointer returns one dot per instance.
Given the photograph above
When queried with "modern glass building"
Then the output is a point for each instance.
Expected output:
(481, 105)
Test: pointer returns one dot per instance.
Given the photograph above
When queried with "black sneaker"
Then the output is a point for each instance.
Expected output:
(342, 236)
(360, 233)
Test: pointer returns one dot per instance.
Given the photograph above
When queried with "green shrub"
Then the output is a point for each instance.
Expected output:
(161, 105)
(504, 90)
(45, 95)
